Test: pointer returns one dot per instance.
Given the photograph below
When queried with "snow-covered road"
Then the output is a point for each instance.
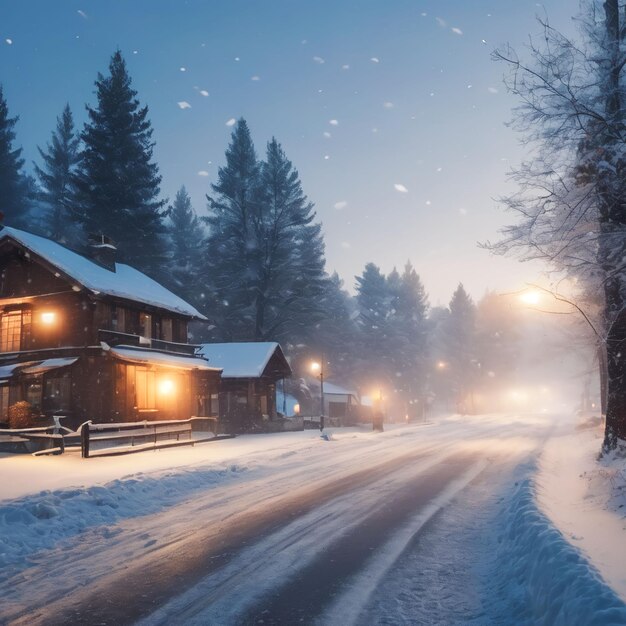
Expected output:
(278, 529)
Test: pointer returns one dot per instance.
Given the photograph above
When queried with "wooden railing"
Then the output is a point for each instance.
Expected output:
(115, 338)
(138, 435)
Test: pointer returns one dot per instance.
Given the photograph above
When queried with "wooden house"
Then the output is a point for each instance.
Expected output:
(94, 339)
(250, 373)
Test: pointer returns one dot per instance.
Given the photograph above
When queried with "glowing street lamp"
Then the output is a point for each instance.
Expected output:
(531, 297)
(442, 365)
(318, 368)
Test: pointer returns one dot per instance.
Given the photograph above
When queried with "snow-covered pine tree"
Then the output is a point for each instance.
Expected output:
(231, 260)
(374, 302)
(410, 332)
(56, 180)
(186, 245)
(265, 253)
(14, 186)
(291, 277)
(118, 181)
(460, 347)
(335, 335)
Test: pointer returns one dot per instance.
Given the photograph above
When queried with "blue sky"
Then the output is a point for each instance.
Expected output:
(364, 95)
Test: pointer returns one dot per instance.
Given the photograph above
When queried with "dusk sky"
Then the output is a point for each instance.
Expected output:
(391, 110)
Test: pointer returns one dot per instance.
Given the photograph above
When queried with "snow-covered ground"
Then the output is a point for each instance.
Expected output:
(488, 545)
(586, 500)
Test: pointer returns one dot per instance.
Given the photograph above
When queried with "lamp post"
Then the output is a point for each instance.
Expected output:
(319, 367)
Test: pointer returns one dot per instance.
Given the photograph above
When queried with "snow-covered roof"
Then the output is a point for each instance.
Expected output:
(126, 282)
(240, 360)
(330, 388)
(49, 364)
(153, 357)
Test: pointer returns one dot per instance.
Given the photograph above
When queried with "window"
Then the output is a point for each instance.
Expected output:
(11, 324)
(33, 393)
(4, 402)
(57, 392)
(166, 329)
(145, 383)
(145, 325)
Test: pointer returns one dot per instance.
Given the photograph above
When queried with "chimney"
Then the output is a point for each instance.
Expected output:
(102, 250)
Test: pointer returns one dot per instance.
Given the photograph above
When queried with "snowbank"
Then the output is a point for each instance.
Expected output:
(545, 579)
(586, 500)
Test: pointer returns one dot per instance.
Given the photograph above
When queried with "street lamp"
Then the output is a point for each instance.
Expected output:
(319, 367)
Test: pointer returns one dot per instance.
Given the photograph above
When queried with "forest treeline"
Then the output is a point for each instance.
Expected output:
(254, 262)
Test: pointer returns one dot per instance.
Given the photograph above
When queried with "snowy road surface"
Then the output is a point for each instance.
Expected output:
(399, 527)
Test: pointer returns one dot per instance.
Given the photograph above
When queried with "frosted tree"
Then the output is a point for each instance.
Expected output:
(265, 252)
(186, 244)
(571, 200)
(14, 186)
(460, 349)
(55, 176)
(117, 180)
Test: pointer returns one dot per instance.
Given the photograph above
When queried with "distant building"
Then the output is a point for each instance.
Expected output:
(94, 339)
(251, 371)
(340, 403)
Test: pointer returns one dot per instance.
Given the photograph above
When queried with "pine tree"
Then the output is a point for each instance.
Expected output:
(336, 333)
(265, 263)
(410, 330)
(118, 182)
(14, 186)
(232, 256)
(186, 243)
(56, 179)
(374, 302)
(460, 337)
(291, 275)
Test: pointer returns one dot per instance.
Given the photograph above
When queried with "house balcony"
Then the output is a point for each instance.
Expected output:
(114, 338)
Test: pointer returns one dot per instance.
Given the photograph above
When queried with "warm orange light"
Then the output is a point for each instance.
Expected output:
(315, 366)
(441, 365)
(166, 387)
(48, 317)
(296, 409)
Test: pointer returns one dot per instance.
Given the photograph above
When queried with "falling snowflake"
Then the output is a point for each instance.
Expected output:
(319, 60)
(334, 122)
(484, 41)
(457, 31)
(9, 41)
(203, 173)
(184, 104)
(428, 202)
(231, 122)
(204, 92)
(327, 134)
(237, 59)
(135, 51)
(183, 69)
(388, 105)
(345, 67)
(82, 14)
(326, 157)
(401, 188)
(375, 60)
(441, 22)
(492, 90)
(342, 204)
(255, 78)
(345, 244)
